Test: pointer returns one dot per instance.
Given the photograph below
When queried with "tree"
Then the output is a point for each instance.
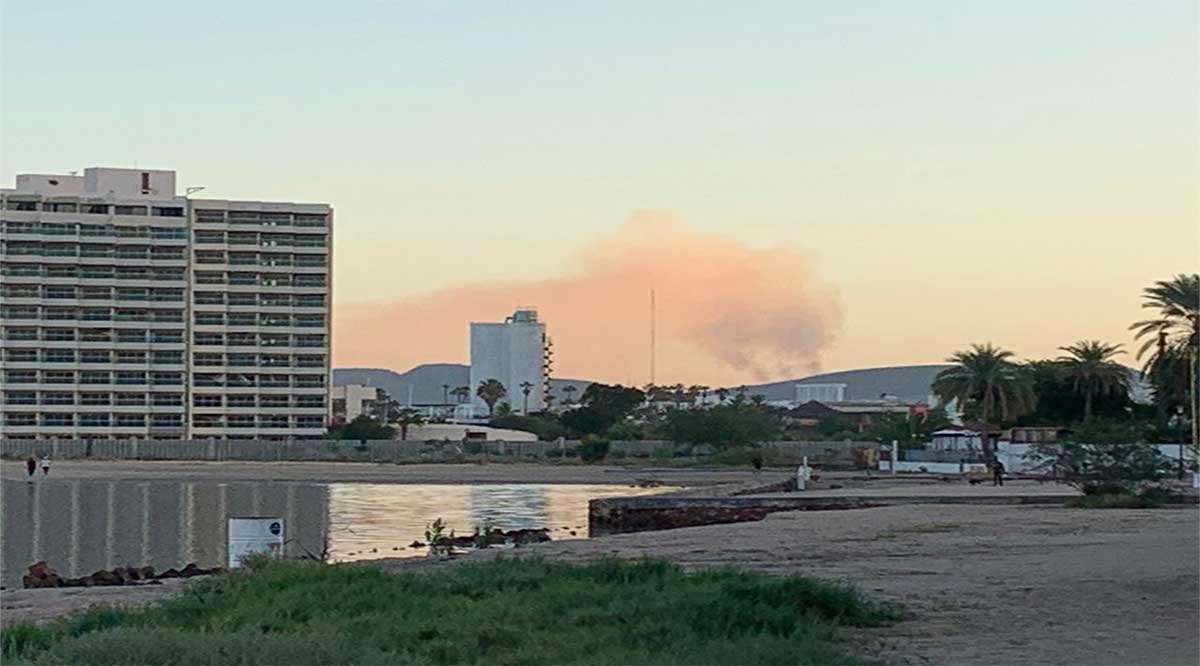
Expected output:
(722, 393)
(603, 406)
(407, 416)
(570, 390)
(1093, 372)
(1172, 342)
(700, 391)
(1103, 467)
(490, 391)
(985, 380)
(723, 426)
(526, 387)
(363, 428)
(461, 393)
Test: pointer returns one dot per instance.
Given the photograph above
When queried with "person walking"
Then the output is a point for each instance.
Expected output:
(31, 466)
(45, 465)
(997, 472)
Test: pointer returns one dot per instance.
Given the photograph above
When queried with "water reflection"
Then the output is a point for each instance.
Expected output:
(81, 526)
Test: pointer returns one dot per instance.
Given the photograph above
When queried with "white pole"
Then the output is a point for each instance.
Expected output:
(895, 456)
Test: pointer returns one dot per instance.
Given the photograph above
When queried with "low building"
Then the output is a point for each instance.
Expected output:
(354, 400)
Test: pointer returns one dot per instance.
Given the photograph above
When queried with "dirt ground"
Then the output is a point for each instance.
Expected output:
(338, 472)
(982, 584)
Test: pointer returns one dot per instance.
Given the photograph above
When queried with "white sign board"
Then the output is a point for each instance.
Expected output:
(254, 535)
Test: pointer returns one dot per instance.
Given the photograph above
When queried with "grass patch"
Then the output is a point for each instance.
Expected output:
(503, 611)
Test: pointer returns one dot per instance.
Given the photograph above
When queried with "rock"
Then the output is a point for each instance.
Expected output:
(192, 570)
(416, 544)
(41, 575)
(169, 573)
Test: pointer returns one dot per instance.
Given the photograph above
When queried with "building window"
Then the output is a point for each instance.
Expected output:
(20, 398)
(20, 419)
(130, 378)
(95, 356)
(239, 400)
(167, 420)
(131, 399)
(206, 400)
(131, 335)
(130, 420)
(208, 339)
(138, 357)
(66, 377)
(59, 356)
(310, 421)
(58, 419)
(20, 376)
(92, 399)
(168, 378)
(239, 420)
(93, 420)
(168, 357)
(168, 399)
(21, 355)
(274, 401)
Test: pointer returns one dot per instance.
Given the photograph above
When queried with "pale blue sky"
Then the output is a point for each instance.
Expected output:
(913, 147)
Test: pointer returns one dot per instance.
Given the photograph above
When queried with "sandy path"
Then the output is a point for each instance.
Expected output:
(43, 605)
(983, 584)
(385, 473)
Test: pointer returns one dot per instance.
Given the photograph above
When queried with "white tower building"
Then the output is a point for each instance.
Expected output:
(515, 353)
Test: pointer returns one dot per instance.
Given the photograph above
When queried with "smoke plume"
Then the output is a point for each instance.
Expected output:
(726, 313)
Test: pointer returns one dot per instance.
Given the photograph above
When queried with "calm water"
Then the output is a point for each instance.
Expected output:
(81, 526)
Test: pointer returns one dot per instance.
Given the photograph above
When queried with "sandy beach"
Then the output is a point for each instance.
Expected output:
(982, 584)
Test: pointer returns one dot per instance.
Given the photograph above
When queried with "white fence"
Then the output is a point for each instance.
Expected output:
(1016, 459)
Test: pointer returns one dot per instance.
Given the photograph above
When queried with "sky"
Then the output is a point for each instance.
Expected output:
(806, 185)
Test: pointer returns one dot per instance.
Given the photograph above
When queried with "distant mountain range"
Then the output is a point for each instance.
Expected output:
(424, 383)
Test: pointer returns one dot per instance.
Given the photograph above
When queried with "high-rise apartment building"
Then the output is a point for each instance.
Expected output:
(127, 310)
(518, 354)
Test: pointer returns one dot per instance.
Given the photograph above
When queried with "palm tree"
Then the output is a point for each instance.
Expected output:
(722, 393)
(985, 377)
(408, 417)
(700, 391)
(570, 390)
(526, 387)
(461, 393)
(490, 391)
(1174, 337)
(1092, 368)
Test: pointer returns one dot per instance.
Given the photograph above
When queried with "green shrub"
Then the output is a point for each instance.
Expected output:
(593, 449)
(1148, 498)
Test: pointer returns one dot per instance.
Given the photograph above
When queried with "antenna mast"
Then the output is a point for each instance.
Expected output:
(652, 335)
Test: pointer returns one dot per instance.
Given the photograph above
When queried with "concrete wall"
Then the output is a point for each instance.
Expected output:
(413, 450)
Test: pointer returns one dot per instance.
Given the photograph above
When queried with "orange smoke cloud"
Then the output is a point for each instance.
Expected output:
(726, 313)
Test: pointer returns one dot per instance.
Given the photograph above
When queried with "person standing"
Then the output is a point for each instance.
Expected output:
(31, 466)
(45, 465)
(997, 472)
